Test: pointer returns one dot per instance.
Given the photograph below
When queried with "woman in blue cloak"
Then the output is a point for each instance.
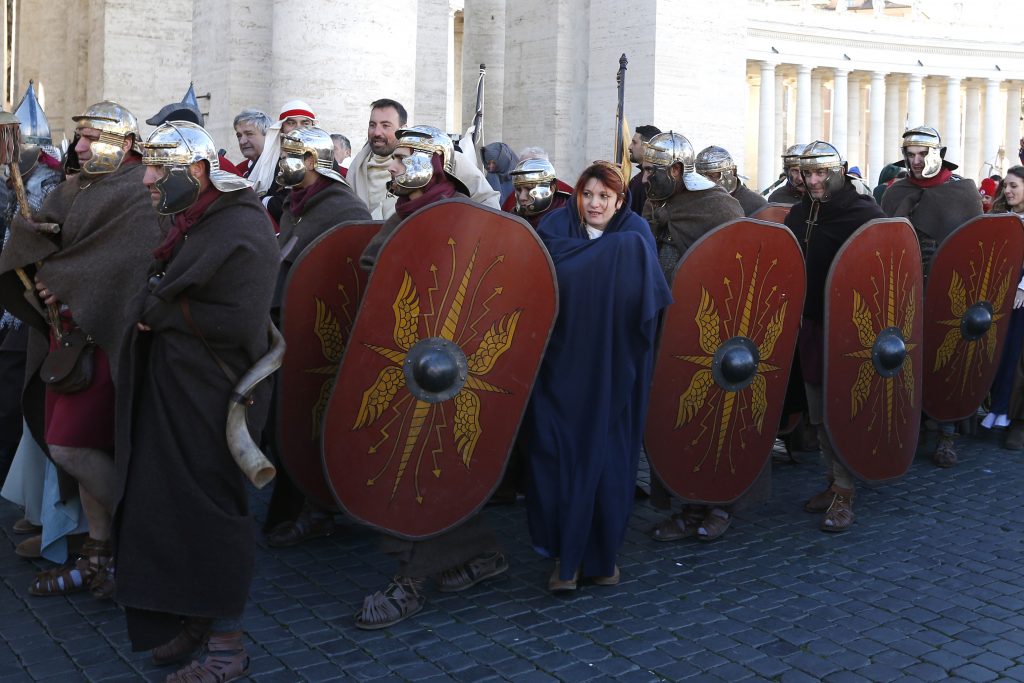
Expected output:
(586, 416)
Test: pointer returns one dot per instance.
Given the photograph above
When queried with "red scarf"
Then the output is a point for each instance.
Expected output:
(939, 178)
(48, 161)
(183, 221)
(439, 187)
(298, 197)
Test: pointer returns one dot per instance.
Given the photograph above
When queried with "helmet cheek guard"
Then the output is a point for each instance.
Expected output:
(179, 189)
(419, 169)
(660, 184)
(291, 170)
(107, 153)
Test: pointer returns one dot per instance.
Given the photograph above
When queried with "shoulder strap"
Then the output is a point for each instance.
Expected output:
(187, 314)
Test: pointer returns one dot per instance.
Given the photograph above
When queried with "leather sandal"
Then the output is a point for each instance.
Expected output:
(820, 501)
(400, 600)
(75, 576)
(612, 580)
(311, 523)
(839, 516)
(471, 573)
(715, 524)
(23, 526)
(558, 585)
(945, 453)
(226, 661)
(680, 525)
(195, 631)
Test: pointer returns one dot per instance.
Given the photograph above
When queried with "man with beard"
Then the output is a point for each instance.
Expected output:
(422, 169)
(716, 164)
(251, 131)
(637, 189)
(368, 173)
(682, 206)
(185, 546)
(92, 236)
(294, 114)
(793, 190)
(318, 200)
(830, 212)
(936, 202)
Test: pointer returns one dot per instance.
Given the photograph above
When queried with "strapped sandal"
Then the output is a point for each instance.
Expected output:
(715, 523)
(820, 501)
(195, 631)
(226, 661)
(839, 516)
(77, 574)
(677, 526)
(311, 523)
(945, 452)
(471, 573)
(399, 601)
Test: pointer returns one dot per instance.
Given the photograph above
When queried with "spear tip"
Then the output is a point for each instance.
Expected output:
(623, 61)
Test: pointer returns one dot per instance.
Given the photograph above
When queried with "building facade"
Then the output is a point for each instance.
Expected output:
(753, 76)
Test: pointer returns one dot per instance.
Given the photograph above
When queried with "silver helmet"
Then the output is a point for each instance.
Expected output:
(537, 175)
(425, 142)
(176, 145)
(662, 152)
(821, 155)
(35, 130)
(791, 157)
(925, 136)
(716, 164)
(115, 123)
(296, 145)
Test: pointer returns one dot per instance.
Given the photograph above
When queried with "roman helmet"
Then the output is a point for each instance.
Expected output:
(926, 136)
(115, 123)
(822, 155)
(35, 131)
(176, 145)
(662, 152)
(186, 110)
(296, 145)
(538, 175)
(791, 157)
(716, 160)
(425, 142)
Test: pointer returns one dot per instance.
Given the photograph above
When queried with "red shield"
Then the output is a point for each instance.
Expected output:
(873, 350)
(969, 295)
(321, 300)
(724, 359)
(439, 369)
(773, 213)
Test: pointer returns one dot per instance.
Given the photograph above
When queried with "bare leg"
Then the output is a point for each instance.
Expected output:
(93, 469)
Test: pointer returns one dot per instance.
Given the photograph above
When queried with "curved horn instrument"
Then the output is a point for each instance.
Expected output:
(243, 449)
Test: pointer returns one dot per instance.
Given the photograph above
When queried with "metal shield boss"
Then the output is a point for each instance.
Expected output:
(967, 304)
(873, 350)
(724, 359)
(773, 213)
(439, 369)
(322, 295)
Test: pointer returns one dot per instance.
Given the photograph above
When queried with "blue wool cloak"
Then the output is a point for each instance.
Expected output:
(585, 420)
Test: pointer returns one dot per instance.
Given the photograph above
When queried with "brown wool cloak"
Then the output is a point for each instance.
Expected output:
(934, 211)
(184, 538)
(687, 216)
(785, 195)
(334, 204)
(749, 200)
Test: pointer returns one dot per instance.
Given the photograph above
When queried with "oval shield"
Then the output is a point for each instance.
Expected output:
(873, 351)
(773, 213)
(439, 369)
(968, 299)
(724, 359)
(321, 300)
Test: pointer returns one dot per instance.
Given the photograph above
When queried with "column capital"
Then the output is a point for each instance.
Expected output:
(803, 69)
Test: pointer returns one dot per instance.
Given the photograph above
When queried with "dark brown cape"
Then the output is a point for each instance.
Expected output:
(785, 195)
(934, 211)
(749, 200)
(185, 541)
(687, 216)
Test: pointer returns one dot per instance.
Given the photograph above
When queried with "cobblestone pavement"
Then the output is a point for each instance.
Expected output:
(928, 586)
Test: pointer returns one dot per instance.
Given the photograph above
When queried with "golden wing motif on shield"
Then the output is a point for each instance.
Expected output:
(908, 316)
(862, 387)
(378, 397)
(693, 398)
(467, 424)
(772, 332)
(709, 323)
(328, 331)
(407, 314)
(947, 347)
(862, 320)
(497, 340)
(758, 402)
(957, 296)
(320, 406)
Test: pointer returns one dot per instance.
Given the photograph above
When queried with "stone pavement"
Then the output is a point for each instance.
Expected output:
(928, 586)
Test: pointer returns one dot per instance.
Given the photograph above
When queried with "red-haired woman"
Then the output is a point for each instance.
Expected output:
(586, 416)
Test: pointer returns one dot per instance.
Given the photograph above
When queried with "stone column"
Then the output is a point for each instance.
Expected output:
(931, 103)
(950, 130)
(780, 114)
(1012, 137)
(483, 42)
(803, 102)
(766, 159)
(915, 101)
(840, 100)
(876, 141)
(972, 132)
(892, 119)
(817, 132)
(853, 119)
(993, 131)
(435, 33)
